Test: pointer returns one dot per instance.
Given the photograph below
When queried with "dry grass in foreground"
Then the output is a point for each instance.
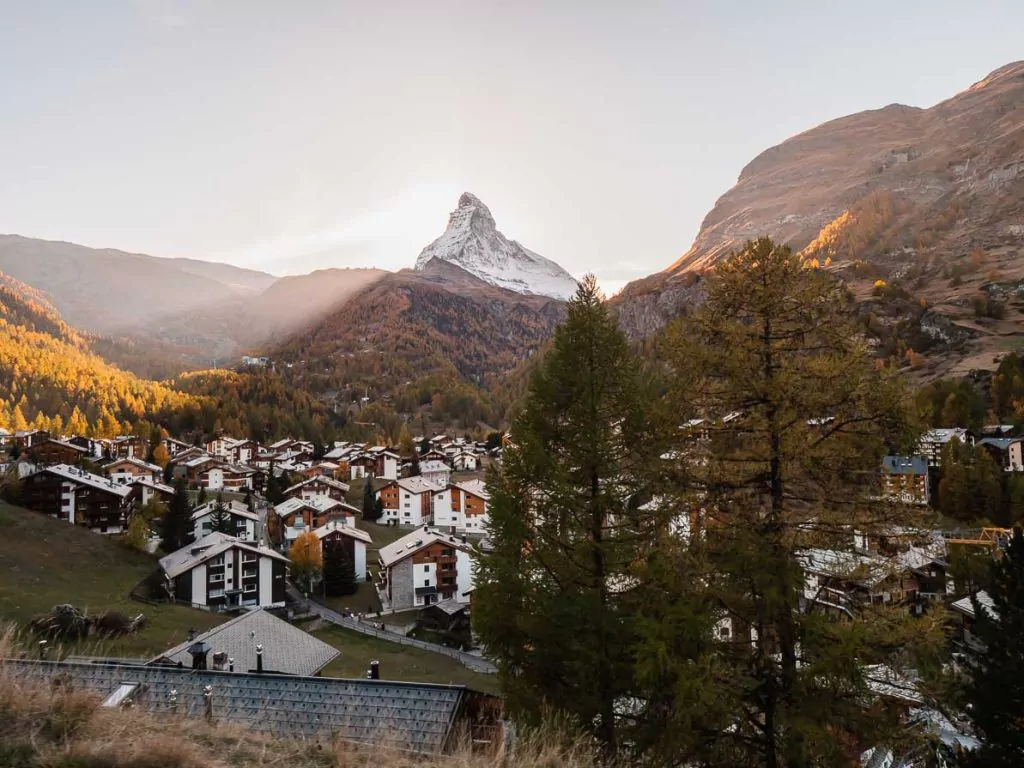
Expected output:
(42, 726)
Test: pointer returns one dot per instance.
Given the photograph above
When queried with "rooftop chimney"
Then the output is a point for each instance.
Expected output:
(375, 670)
(198, 651)
(259, 658)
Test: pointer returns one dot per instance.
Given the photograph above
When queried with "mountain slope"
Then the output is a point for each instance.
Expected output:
(433, 337)
(967, 150)
(110, 291)
(223, 329)
(473, 242)
(50, 377)
(238, 278)
(928, 203)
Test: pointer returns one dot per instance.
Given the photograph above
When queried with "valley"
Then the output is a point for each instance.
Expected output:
(762, 507)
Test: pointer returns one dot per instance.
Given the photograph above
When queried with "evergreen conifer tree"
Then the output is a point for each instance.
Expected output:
(275, 494)
(369, 507)
(176, 527)
(995, 689)
(553, 601)
(220, 518)
(339, 570)
(795, 417)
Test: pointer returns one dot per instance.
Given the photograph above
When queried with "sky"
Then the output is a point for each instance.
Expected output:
(294, 135)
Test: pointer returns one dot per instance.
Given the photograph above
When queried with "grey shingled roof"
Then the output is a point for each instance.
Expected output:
(286, 649)
(905, 465)
(413, 716)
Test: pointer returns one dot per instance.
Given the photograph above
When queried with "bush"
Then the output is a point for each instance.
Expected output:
(985, 306)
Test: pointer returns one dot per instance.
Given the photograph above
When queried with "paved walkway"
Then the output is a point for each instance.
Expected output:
(470, 660)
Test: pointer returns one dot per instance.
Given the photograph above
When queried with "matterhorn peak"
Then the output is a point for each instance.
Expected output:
(473, 242)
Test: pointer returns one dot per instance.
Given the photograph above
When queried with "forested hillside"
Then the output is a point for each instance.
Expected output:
(255, 404)
(432, 342)
(50, 378)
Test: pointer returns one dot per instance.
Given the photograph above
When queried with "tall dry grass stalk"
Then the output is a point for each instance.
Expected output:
(49, 726)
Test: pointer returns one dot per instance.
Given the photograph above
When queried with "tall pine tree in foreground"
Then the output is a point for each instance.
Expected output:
(738, 665)
(552, 601)
(995, 689)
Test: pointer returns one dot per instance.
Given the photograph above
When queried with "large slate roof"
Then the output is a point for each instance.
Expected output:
(286, 648)
(414, 716)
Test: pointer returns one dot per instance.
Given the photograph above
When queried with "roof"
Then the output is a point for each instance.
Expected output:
(346, 530)
(415, 716)
(905, 465)
(65, 444)
(944, 435)
(330, 482)
(150, 483)
(965, 606)
(135, 463)
(317, 504)
(434, 465)
(82, 477)
(397, 551)
(211, 545)
(862, 569)
(199, 460)
(286, 649)
(1002, 443)
(232, 507)
(475, 487)
(450, 607)
(417, 485)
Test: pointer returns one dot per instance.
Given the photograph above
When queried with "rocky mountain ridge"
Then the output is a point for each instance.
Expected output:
(968, 148)
(472, 241)
(918, 207)
(107, 291)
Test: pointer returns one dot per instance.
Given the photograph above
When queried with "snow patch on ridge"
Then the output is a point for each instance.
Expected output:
(473, 242)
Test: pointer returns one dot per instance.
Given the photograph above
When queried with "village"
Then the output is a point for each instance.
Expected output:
(412, 526)
(408, 530)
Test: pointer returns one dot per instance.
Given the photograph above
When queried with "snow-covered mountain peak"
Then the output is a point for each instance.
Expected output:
(473, 242)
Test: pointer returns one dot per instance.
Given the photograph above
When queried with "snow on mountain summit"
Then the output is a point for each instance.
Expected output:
(473, 242)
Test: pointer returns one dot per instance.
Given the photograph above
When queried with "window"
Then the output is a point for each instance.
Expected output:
(426, 567)
(216, 578)
(408, 504)
(249, 588)
(249, 573)
(447, 552)
(426, 582)
(248, 557)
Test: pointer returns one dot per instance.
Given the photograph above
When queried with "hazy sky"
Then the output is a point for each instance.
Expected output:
(299, 134)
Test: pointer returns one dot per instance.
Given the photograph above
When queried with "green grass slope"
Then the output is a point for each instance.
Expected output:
(45, 562)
